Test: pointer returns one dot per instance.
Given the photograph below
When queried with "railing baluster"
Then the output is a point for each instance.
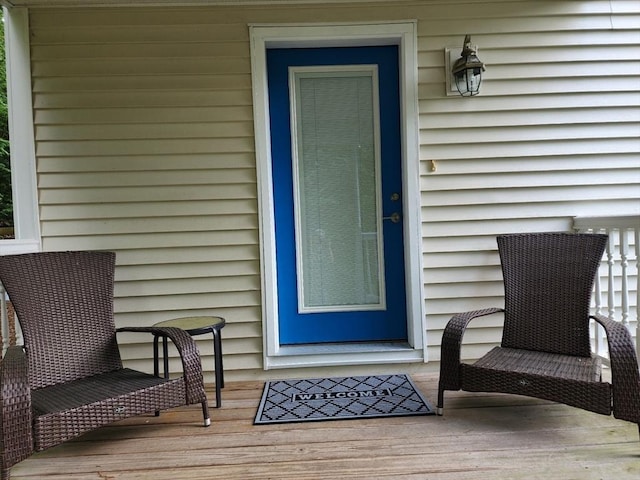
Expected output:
(611, 288)
(4, 320)
(624, 287)
(598, 331)
(11, 333)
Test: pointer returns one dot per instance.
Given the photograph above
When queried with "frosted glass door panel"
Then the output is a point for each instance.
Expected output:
(336, 165)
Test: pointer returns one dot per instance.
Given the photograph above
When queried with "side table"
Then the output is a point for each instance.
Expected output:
(194, 326)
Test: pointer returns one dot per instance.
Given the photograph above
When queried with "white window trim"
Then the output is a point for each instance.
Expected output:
(313, 35)
(21, 133)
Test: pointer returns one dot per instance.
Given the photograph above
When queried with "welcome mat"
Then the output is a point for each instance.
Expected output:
(340, 398)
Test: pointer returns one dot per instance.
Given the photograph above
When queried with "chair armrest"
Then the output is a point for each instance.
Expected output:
(452, 343)
(16, 436)
(189, 354)
(624, 370)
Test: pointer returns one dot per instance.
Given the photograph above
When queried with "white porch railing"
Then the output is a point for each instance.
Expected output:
(11, 334)
(10, 329)
(618, 280)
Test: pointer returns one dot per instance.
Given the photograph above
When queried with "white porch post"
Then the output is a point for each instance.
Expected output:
(21, 129)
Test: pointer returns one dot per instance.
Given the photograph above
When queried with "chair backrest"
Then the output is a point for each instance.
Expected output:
(548, 281)
(64, 303)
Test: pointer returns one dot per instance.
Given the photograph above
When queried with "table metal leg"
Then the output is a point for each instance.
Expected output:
(165, 360)
(156, 367)
(165, 356)
(156, 362)
(219, 372)
(217, 338)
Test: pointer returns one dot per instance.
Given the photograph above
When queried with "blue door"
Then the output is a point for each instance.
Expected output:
(337, 185)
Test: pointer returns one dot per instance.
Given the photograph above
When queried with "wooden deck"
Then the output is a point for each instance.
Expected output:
(481, 436)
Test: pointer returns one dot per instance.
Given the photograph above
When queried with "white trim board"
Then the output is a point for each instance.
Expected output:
(21, 134)
(402, 34)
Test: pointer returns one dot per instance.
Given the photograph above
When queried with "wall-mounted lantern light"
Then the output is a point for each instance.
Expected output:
(467, 70)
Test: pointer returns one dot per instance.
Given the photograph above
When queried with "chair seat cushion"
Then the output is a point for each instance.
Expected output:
(561, 378)
(67, 410)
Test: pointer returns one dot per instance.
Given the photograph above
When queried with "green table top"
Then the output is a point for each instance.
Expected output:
(192, 323)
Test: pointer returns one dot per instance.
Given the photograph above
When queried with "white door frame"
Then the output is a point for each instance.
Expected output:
(402, 34)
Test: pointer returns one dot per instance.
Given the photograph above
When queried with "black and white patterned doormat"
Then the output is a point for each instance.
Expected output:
(340, 398)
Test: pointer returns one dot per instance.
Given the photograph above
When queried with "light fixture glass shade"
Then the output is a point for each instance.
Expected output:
(467, 70)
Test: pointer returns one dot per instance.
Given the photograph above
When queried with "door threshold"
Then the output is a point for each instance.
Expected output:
(334, 354)
(351, 347)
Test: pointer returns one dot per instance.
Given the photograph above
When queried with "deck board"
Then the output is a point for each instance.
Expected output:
(481, 436)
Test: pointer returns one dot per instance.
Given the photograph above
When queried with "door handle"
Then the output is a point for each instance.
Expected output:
(394, 217)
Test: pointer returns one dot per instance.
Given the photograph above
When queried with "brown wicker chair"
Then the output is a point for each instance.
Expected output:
(69, 379)
(546, 349)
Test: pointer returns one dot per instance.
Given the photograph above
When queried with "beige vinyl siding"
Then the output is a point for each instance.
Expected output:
(555, 134)
(144, 139)
(144, 135)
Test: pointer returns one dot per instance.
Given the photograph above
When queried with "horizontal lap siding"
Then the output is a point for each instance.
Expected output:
(144, 137)
(554, 134)
(144, 131)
